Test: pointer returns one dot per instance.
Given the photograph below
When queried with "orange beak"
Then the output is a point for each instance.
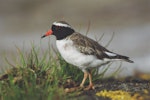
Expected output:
(50, 32)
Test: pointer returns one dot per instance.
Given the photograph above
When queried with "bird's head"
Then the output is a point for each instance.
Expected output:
(60, 29)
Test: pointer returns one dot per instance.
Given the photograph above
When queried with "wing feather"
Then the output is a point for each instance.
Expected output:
(88, 46)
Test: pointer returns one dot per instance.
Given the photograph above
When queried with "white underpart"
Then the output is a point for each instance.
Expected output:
(74, 57)
(110, 54)
(61, 24)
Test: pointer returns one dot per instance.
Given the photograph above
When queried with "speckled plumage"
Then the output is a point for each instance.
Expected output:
(90, 47)
(80, 50)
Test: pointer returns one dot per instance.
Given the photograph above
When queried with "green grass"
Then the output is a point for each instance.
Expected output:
(33, 78)
(36, 77)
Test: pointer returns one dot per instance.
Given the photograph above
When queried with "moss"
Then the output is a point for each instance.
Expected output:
(115, 95)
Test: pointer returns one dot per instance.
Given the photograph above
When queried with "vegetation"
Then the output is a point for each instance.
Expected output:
(45, 76)
(36, 77)
(33, 77)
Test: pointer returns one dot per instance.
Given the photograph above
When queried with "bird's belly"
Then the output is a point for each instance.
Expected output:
(73, 56)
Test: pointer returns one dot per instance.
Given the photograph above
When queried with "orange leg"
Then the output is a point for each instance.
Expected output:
(91, 86)
(84, 79)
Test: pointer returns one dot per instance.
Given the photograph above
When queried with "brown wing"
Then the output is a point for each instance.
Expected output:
(88, 46)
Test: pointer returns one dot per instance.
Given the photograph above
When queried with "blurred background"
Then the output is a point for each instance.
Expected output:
(24, 21)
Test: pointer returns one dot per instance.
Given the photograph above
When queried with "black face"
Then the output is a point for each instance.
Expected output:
(61, 32)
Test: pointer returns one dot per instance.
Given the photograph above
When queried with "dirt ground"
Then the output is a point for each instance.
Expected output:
(131, 88)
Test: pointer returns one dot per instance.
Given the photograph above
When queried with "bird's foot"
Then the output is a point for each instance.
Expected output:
(81, 86)
(78, 88)
(73, 89)
(90, 87)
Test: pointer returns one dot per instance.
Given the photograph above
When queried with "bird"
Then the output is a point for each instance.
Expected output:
(81, 51)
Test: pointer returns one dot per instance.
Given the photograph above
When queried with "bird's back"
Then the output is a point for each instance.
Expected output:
(88, 46)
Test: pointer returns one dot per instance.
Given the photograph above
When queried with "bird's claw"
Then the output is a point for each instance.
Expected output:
(90, 87)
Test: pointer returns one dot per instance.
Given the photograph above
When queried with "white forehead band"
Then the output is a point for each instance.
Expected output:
(61, 24)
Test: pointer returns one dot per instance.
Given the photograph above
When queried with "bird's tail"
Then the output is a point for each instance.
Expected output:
(118, 57)
(125, 58)
(121, 57)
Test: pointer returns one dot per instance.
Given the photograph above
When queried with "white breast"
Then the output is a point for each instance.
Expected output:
(73, 56)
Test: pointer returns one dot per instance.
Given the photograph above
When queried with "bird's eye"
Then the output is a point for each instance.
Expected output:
(57, 27)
